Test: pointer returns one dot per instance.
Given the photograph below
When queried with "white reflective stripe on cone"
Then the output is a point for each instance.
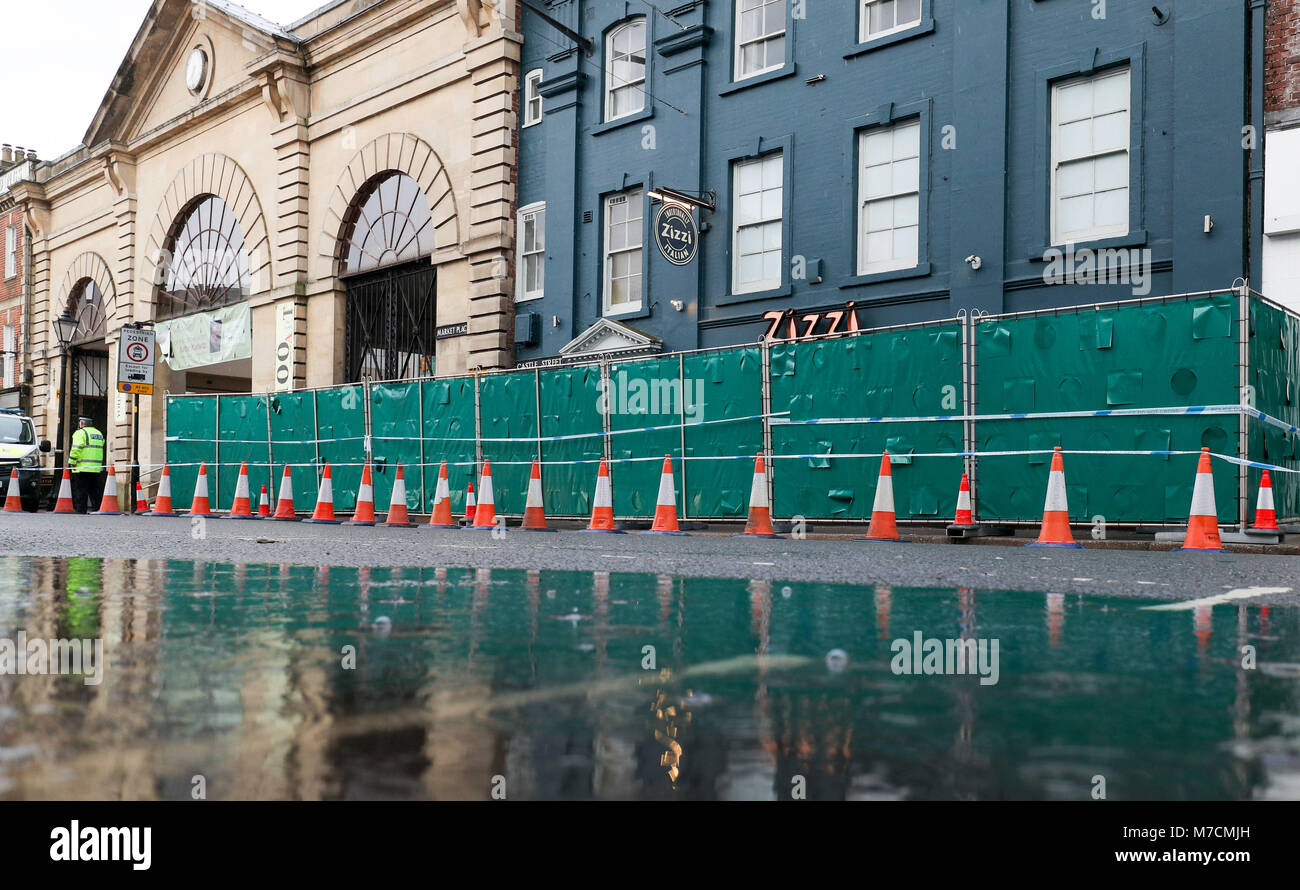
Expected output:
(326, 490)
(1056, 501)
(758, 491)
(485, 490)
(1266, 498)
(241, 486)
(441, 491)
(201, 487)
(399, 492)
(884, 502)
(667, 494)
(963, 500)
(604, 497)
(1203, 496)
(286, 488)
(534, 493)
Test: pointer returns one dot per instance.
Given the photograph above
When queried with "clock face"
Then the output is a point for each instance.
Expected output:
(196, 69)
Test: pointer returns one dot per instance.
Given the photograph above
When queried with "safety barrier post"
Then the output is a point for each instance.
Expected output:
(419, 398)
(315, 426)
(970, 371)
(478, 428)
(681, 427)
(605, 425)
(765, 403)
(1243, 389)
(537, 405)
(216, 452)
(270, 455)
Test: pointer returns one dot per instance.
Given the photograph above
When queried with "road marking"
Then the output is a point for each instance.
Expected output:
(1241, 593)
(764, 563)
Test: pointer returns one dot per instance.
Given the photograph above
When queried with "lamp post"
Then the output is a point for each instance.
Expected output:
(65, 328)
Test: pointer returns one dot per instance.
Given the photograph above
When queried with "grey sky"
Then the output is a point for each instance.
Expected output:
(62, 55)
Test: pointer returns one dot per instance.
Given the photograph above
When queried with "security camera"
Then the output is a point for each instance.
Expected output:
(974, 262)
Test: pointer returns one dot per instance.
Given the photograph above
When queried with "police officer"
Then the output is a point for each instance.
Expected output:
(86, 460)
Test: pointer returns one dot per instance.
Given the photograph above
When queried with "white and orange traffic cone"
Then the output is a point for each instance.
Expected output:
(485, 514)
(365, 511)
(759, 524)
(471, 510)
(284, 510)
(398, 517)
(242, 508)
(1203, 518)
(13, 499)
(108, 505)
(666, 504)
(263, 505)
(534, 511)
(201, 505)
(884, 523)
(324, 512)
(964, 517)
(162, 505)
(141, 502)
(602, 505)
(64, 504)
(441, 517)
(1056, 509)
(1265, 514)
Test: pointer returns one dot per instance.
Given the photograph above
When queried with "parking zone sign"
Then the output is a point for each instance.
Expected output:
(135, 360)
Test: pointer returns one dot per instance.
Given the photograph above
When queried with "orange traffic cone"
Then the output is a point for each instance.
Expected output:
(263, 506)
(602, 507)
(760, 512)
(1056, 510)
(964, 517)
(884, 524)
(201, 506)
(485, 514)
(64, 503)
(666, 504)
(13, 500)
(397, 514)
(1265, 515)
(1203, 518)
(162, 505)
(242, 508)
(324, 512)
(284, 511)
(141, 502)
(108, 503)
(470, 508)
(365, 512)
(534, 511)
(442, 517)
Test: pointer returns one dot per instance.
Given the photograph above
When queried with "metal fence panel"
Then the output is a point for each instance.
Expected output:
(508, 409)
(640, 399)
(448, 408)
(716, 385)
(191, 439)
(395, 438)
(293, 444)
(571, 405)
(341, 429)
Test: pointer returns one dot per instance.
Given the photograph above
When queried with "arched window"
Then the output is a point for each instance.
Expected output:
(208, 263)
(389, 223)
(86, 305)
(625, 59)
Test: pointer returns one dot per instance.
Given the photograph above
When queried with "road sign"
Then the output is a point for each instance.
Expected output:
(135, 360)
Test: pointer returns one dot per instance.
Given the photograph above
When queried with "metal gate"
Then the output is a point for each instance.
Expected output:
(391, 323)
(88, 385)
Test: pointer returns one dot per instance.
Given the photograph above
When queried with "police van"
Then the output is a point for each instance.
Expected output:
(19, 448)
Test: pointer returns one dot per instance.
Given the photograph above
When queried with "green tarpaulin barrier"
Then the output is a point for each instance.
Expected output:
(395, 438)
(644, 394)
(448, 435)
(571, 405)
(508, 409)
(293, 434)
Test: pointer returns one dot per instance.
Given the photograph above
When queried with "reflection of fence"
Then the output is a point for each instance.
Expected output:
(1130, 390)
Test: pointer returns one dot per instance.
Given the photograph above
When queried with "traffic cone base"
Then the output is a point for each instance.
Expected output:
(108, 503)
(1203, 517)
(64, 503)
(1056, 510)
(759, 523)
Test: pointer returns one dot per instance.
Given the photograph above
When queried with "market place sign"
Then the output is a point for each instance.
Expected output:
(787, 324)
(677, 234)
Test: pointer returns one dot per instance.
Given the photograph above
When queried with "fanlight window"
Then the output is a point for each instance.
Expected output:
(389, 224)
(208, 262)
(86, 305)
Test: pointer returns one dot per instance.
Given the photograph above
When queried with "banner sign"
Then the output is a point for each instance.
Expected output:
(206, 338)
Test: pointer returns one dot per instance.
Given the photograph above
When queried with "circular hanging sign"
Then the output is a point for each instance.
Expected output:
(677, 234)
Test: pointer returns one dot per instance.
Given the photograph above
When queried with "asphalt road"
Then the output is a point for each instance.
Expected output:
(1147, 574)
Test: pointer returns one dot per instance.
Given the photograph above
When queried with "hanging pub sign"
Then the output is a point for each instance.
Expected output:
(677, 234)
(787, 324)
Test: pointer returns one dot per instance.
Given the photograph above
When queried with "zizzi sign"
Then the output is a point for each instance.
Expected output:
(677, 234)
(786, 324)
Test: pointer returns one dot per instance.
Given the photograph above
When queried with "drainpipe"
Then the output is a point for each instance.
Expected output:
(1255, 220)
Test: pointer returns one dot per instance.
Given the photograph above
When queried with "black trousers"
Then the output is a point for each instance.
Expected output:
(87, 489)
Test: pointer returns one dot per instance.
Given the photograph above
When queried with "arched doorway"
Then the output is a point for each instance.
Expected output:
(88, 355)
(391, 322)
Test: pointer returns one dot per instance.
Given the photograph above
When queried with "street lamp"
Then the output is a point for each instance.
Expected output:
(65, 328)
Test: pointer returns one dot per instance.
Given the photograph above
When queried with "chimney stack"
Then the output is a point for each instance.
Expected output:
(31, 155)
(6, 153)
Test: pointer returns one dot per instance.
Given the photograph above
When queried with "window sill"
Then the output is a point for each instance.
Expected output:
(918, 271)
(755, 296)
(1137, 238)
(530, 299)
(642, 115)
(925, 26)
(641, 311)
(531, 124)
(786, 70)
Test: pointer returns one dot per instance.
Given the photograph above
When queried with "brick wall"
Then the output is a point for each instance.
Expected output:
(11, 297)
(11, 280)
(1282, 56)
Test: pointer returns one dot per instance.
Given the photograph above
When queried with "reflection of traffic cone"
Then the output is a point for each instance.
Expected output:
(1265, 515)
(284, 511)
(1056, 510)
(442, 517)
(534, 511)
(13, 500)
(324, 512)
(666, 504)
(365, 512)
(242, 508)
(141, 502)
(884, 525)
(470, 507)
(162, 505)
(64, 503)
(1203, 521)
(760, 512)
(485, 514)
(263, 505)
(602, 508)
(108, 503)
(200, 505)
(964, 517)
(397, 515)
